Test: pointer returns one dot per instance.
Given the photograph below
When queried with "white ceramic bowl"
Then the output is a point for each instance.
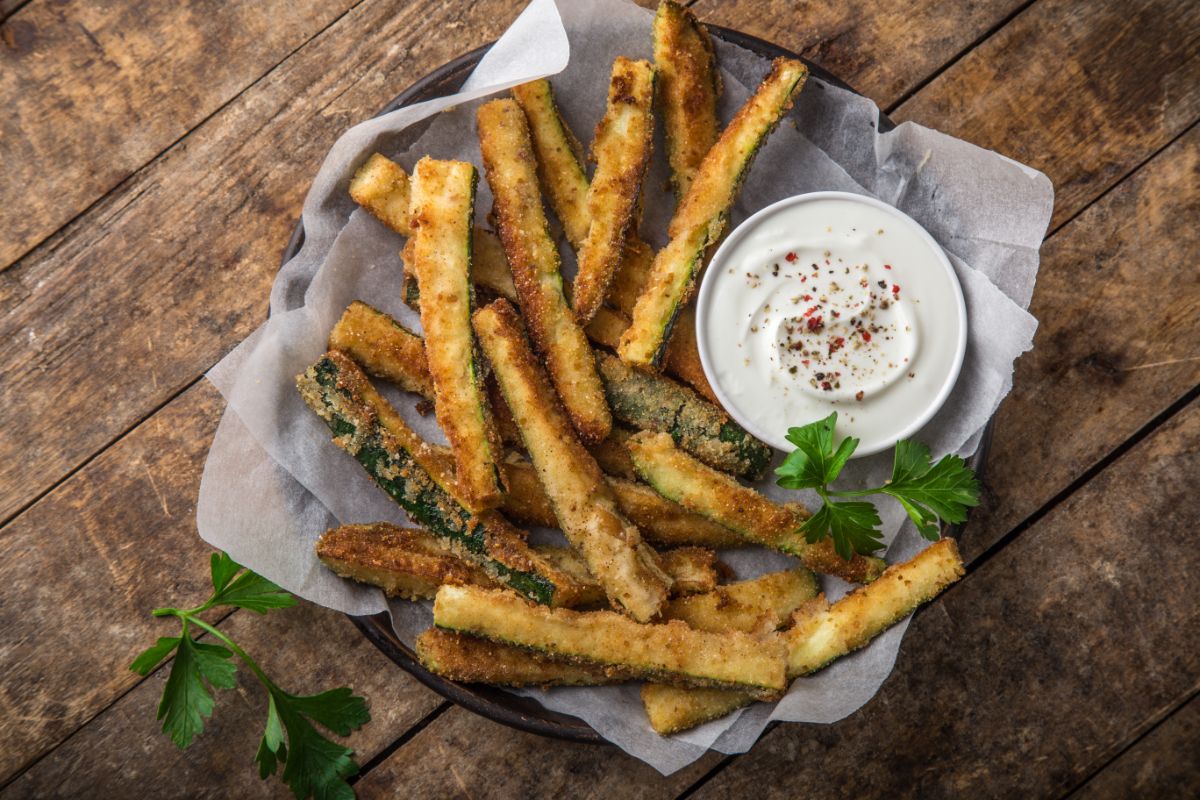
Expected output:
(897, 411)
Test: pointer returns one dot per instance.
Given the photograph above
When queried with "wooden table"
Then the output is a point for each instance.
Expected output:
(154, 162)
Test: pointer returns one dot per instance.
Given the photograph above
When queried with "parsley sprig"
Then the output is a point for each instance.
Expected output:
(930, 493)
(312, 764)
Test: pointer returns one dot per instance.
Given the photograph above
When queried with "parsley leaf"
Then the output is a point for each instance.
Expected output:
(313, 766)
(929, 493)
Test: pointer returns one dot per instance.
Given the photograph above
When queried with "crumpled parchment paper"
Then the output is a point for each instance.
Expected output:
(274, 482)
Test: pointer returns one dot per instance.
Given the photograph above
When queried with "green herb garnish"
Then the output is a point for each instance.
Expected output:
(930, 493)
(312, 764)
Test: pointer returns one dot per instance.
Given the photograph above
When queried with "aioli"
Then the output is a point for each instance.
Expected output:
(831, 301)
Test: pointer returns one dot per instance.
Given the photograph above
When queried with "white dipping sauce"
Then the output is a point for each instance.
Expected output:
(831, 301)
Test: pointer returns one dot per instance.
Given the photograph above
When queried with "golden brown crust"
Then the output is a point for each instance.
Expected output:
(584, 505)
(533, 259)
(381, 186)
(689, 86)
(468, 659)
(405, 562)
(383, 347)
(621, 149)
(443, 202)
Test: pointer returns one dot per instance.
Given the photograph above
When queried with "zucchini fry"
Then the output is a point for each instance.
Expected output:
(489, 270)
(381, 186)
(405, 562)
(681, 478)
(383, 347)
(652, 402)
(621, 150)
(689, 86)
(821, 632)
(368, 428)
(467, 659)
(585, 506)
(670, 652)
(443, 204)
(533, 259)
(702, 215)
(412, 563)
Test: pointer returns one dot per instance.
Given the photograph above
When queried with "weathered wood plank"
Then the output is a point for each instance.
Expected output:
(81, 569)
(121, 310)
(1031, 673)
(1164, 764)
(92, 92)
(882, 49)
(1082, 91)
(1118, 297)
(123, 753)
(462, 755)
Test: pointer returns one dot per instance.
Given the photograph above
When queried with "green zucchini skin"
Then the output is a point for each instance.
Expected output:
(333, 389)
(650, 402)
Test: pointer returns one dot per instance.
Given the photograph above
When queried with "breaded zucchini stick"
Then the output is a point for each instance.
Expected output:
(443, 208)
(681, 478)
(821, 633)
(489, 270)
(533, 259)
(671, 652)
(689, 87)
(585, 506)
(702, 215)
(381, 186)
(621, 150)
(652, 402)
(559, 159)
(383, 347)
(468, 659)
(368, 428)
(412, 563)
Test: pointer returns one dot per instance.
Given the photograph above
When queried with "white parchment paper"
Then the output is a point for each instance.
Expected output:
(273, 482)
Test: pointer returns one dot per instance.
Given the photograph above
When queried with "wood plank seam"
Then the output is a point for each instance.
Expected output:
(989, 33)
(1133, 742)
(35, 761)
(385, 753)
(33, 247)
(12, 11)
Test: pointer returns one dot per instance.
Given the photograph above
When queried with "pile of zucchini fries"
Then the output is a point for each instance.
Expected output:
(583, 407)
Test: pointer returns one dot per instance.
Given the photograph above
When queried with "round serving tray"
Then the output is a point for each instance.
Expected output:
(496, 704)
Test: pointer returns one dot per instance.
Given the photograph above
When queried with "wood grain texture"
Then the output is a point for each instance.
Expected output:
(1162, 765)
(460, 755)
(882, 49)
(1118, 299)
(1034, 671)
(1081, 91)
(123, 308)
(124, 754)
(81, 570)
(91, 92)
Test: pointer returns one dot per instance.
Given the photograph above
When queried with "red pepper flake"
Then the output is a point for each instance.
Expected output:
(804, 361)
(896, 289)
(859, 396)
(836, 314)
(887, 266)
(810, 311)
(826, 386)
(806, 297)
(790, 257)
(866, 335)
(836, 344)
(815, 323)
